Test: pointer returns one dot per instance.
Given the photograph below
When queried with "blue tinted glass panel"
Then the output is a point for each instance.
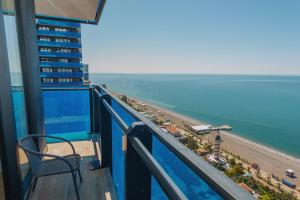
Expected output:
(186, 179)
(118, 154)
(67, 113)
(17, 88)
(20, 112)
(156, 192)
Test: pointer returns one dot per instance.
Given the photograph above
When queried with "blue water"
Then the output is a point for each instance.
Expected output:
(265, 109)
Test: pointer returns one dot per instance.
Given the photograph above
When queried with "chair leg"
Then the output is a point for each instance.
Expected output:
(34, 183)
(75, 185)
(79, 173)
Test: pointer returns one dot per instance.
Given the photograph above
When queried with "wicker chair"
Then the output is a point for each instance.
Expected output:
(56, 165)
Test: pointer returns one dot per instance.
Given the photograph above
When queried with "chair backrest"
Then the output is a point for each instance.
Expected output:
(31, 151)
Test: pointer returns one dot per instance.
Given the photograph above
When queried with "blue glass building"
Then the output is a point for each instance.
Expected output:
(59, 44)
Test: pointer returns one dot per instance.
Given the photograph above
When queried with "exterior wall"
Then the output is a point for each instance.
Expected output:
(60, 55)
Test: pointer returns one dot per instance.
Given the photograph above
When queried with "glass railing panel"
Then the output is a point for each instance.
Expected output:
(65, 84)
(61, 55)
(118, 154)
(59, 34)
(61, 64)
(59, 44)
(61, 74)
(156, 191)
(58, 23)
(67, 113)
(185, 178)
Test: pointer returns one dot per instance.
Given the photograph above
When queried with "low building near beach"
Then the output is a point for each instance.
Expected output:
(202, 129)
(173, 131)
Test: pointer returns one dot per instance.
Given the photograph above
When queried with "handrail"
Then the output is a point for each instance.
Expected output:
(97, 92)
(222, 184)
(118, 119)
(165, 181)
(111, 111)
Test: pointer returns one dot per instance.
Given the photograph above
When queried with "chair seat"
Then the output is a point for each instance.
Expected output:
(57, 166)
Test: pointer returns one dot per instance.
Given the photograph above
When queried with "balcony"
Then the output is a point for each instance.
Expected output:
(59, 55)
(138, 160)
(62, 74)
(58, 23)
(59, 34)
(59, 44)
(54, 84)
(61, 64)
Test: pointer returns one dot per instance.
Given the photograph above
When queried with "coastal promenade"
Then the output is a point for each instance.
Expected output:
(269, 160)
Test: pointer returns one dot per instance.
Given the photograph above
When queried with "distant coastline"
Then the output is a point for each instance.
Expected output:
(252, 105)
(231, 134)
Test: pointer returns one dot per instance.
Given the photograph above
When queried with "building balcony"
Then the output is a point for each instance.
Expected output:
(66, 24)
(59, 44)
(62, 84)
(137, 159)
(61, 74)
(60, 64)
(58, 34)
(59, 55)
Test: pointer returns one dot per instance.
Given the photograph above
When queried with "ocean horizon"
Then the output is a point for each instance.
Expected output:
(260, 108)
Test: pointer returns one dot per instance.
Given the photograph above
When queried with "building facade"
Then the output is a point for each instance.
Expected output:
(60, 56)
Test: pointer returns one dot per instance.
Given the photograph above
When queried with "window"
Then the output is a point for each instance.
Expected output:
(47, 70)
(44, 39)
(44, 49)
(63, 60)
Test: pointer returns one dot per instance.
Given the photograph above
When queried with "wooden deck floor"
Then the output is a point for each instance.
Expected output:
(96, 185)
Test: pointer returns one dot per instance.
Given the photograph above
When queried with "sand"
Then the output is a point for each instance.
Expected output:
(269, 160)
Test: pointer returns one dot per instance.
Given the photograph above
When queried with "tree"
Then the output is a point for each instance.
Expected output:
(191, 143)
(232, 161)
(236, 170)
(207, 147)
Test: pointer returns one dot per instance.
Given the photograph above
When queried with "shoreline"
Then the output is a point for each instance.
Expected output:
(270, 160)
(230, 134)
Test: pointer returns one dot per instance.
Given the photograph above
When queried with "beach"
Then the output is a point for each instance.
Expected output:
(269, 160)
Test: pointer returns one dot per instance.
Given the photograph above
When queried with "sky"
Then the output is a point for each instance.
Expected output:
(195, 37)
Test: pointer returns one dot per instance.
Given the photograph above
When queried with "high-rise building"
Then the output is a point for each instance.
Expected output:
(60, 55)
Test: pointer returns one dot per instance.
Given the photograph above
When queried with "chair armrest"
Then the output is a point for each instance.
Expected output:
(62, 158)
(55, 137)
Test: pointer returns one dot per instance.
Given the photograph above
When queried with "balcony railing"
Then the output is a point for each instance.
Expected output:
(59, 55)
(63, 84)
(67, 112)
(59, 44)
(58, 23)
(61, 74)
(145, 162)
(61, 64)
(59, 33)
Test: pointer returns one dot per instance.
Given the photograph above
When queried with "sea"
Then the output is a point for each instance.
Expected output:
(263, 109)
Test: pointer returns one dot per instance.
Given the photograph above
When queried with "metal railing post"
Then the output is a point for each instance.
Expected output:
(91, 94)
(137, 176)
(106, 134)
(95, 111)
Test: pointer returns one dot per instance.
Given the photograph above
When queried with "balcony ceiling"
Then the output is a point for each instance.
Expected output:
(83, 11)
